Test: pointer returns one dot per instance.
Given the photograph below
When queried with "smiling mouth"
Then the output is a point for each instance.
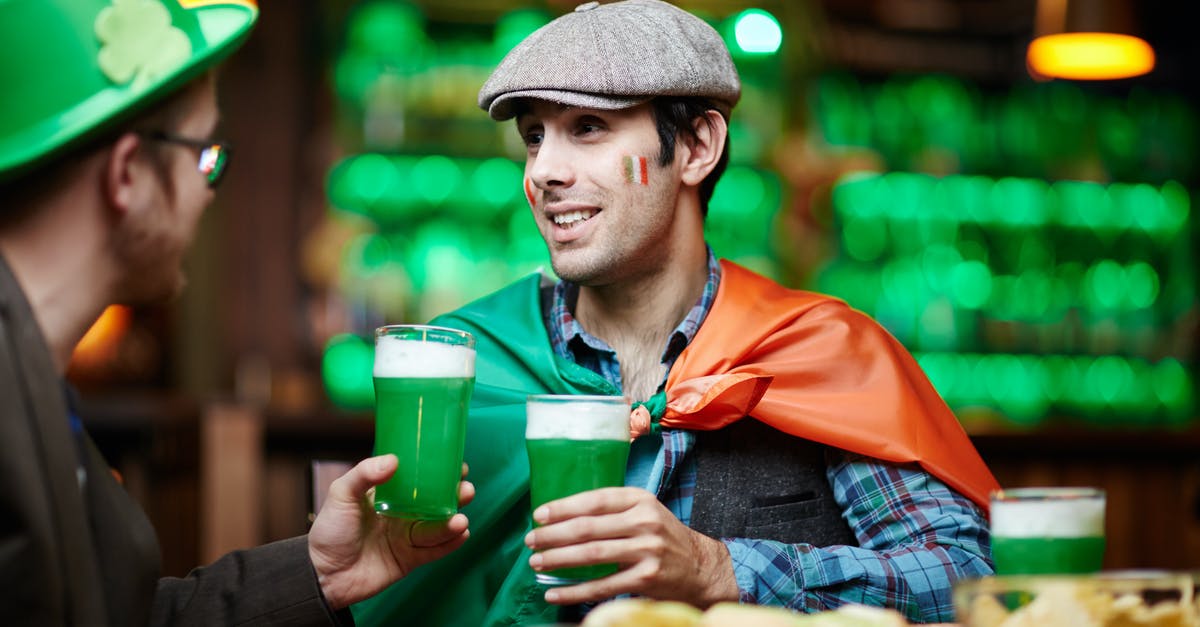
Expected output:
(572, 219)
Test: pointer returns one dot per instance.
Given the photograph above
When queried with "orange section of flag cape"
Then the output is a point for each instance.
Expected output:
(811, 366)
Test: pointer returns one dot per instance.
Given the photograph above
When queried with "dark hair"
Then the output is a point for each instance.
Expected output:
(673, 117)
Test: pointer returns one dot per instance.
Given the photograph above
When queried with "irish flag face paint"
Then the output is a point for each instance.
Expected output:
(530, 192)
(636, 170)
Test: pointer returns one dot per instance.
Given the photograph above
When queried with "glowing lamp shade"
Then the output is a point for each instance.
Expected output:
(1090, 56)
(1087, 40)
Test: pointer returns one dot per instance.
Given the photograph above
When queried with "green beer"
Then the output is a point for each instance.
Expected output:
(423, 382)
(578, 466)
(1043, 531)
(575, 444)
(1040, 556)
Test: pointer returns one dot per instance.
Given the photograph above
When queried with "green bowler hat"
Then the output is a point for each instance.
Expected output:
(72, 69)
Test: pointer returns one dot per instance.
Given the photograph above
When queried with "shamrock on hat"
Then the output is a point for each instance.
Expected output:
(140, 44)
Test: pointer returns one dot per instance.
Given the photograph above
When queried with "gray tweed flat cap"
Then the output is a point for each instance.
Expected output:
(615, 56)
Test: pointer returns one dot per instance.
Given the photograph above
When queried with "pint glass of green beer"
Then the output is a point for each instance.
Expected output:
(1039, 531)
(575, 444)
(423, 381)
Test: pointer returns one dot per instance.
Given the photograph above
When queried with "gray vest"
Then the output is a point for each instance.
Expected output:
(753, 481)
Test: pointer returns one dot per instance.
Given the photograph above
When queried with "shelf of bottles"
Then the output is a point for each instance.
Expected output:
(1028, 295)
(432, 187)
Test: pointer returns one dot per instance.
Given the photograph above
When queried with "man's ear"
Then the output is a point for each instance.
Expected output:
(704, 151)
(125, 177)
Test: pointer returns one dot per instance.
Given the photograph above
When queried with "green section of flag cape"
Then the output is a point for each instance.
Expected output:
(488, 580)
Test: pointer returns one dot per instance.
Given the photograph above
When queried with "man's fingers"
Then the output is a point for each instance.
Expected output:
(466, 493)
(629, 580)
(584, 554)
(431, 533)
(623, 524)
(590, 503)
(370, 472)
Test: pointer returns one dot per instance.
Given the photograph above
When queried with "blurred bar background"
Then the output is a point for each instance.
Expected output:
(1029, 239)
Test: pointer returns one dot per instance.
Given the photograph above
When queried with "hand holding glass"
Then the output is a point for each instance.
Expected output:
(575, 444)
(423, 382)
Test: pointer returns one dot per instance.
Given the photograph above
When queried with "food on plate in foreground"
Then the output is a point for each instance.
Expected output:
(1069, 605)
(1109, 599)
(646, 613)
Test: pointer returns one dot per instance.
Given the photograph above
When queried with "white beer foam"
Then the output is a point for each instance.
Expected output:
(577, 420)
(397, 357)
(1063, 518)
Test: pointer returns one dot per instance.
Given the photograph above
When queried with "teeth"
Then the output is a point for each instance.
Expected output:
(570, 218)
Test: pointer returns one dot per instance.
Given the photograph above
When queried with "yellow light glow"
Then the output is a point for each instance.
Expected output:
(1090, 56)
(99, 344)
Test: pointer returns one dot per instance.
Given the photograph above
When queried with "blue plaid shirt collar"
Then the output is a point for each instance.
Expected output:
(571, 341)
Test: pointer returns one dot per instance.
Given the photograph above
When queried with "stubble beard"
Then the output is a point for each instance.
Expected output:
(151, 265)
(621, 250)
(619, 257)
(589, 272)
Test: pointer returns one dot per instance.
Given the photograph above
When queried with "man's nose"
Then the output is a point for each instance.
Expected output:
(554, 164)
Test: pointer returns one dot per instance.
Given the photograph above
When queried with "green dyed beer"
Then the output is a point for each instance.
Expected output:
(1048, 556)
(565, 467)
(1047, 531)
(423, 382)
(575, 444)
(423, 422)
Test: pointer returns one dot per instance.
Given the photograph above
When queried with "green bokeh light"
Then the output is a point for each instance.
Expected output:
(515, 26)
(386, 29)
(441, 256)
(1176, 206)
(865, 239)
(757, 32)
(940, 262)
(1019, 201)
(972, 284)
(1013, 202)
(346, 368)
(1106, 286)
(497, 181)
(435, 177)
(739, 193)
(368, 253)
(1172, 384)
(359, 182)
(1025, 387)
(1143, 285)
(1034, 288)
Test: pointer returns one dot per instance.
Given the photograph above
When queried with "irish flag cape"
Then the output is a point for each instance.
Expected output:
(803, 363)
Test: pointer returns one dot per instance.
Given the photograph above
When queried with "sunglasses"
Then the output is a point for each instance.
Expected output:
(214, 155)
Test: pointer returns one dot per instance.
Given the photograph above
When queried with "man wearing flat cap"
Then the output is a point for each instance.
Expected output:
(788, 451)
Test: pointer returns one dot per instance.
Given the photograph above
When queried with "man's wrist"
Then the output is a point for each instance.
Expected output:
(326, 583)
(717, 570)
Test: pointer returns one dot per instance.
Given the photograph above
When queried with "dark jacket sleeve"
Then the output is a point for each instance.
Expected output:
(274, 584)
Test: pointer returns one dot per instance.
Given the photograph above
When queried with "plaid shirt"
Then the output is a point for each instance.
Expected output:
(916, 536)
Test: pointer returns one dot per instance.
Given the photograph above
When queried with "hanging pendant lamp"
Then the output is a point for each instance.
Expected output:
(1087, 40)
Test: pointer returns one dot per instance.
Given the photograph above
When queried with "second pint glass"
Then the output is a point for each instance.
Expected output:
(575, 444)
(423, 381)
(1048, 530)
